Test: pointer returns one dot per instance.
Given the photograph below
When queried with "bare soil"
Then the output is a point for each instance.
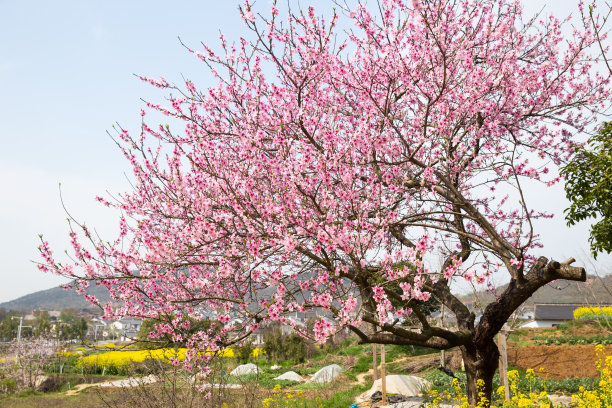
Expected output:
(565, 361)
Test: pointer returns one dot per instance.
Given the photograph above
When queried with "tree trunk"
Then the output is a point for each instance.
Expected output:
(480, 364)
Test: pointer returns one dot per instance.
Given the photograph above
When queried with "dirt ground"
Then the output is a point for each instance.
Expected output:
(566, 361)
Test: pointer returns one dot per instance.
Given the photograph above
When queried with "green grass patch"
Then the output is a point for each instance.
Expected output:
(310, 386)
(363, 364)
(344, 398)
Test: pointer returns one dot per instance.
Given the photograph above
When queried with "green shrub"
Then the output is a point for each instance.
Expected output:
(551, 340)
(7, 386)
(283, 347)
(244, 352)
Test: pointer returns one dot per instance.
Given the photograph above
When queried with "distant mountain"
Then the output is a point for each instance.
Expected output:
(56, 299)
(596, 290)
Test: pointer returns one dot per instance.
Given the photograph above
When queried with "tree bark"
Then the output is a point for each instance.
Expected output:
(480, 364)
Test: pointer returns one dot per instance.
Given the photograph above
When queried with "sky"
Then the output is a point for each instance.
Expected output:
(67, 76)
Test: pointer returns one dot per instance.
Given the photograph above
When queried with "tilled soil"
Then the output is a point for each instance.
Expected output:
(566, 361)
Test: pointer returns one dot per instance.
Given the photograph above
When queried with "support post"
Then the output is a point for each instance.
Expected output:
(383, 374)
(503, 361)
(443, 352)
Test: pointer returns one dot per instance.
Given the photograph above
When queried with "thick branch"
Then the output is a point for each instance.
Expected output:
(397, 232)
(541, 273)
(440, 289)
(433, 337)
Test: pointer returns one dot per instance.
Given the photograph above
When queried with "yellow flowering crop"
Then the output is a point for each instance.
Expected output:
(592, 311)
(123, 358)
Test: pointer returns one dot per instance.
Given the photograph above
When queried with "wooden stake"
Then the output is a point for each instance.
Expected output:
(383, 374)
(374, 362)
(503, 362)
(442, 353)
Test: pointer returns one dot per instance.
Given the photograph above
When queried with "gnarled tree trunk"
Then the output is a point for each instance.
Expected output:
(480, 366)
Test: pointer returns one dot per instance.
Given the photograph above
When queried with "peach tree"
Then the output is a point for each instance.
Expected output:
(334, 161)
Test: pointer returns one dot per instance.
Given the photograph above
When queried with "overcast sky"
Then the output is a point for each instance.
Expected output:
(66, 76)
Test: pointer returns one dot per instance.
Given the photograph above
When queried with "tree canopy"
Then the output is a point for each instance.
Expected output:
(588, 186)
(330, 169)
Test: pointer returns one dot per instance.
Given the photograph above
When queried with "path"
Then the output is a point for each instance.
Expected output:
(361, 377)
(78, 388)
(127, 382)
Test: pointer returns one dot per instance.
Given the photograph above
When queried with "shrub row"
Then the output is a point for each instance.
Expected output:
(551, 340)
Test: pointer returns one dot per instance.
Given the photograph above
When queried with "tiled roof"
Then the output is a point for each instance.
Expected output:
(559, 311)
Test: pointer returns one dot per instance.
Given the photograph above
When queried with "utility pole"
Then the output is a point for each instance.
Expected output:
(96, 331)
(20, 327)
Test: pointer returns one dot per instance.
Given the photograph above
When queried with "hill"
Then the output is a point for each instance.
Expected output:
(56, 299)
(596, 290)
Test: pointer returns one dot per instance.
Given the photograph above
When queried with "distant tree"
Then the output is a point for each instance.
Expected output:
(3, 313)
(282, 347)
(588, 186)
(244, 352)
(159, 340)
(8, 328)
(42, 324)
(71, 326)
(81, 329)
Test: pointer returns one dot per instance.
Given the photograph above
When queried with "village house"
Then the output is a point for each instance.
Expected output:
(552, 314)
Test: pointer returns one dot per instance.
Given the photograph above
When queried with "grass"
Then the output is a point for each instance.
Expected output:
(85, 399)
(363, 364)
(265, 380)
(353, 357)
(344, 398)
(308, 386)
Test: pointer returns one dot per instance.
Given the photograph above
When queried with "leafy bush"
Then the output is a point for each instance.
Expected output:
(244, 352)
(282, 347)
(556, 341)
(7, 385)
